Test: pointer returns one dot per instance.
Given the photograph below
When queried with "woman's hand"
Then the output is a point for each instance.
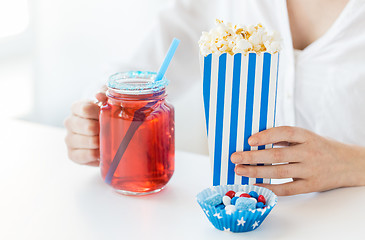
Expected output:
(82, 126)
(315, 163)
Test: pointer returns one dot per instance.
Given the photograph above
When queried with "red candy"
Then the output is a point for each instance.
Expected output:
(245, 195)
(261, 199)
(230, 194)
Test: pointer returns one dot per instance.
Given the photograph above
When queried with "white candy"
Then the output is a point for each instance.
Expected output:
(226, 200)
(238, 194)
(230, 209)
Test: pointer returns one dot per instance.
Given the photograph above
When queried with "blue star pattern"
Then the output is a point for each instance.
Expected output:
(241, 222)
(256, 224)
(206, 212)
(218, 215)
(233, 220)
(262, 210)
(244, 220)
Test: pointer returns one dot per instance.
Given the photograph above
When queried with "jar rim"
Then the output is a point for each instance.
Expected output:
(136, 82)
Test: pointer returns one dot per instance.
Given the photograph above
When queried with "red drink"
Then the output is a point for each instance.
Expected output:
(137, 134)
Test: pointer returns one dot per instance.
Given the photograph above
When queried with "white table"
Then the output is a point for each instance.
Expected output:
(46, 196)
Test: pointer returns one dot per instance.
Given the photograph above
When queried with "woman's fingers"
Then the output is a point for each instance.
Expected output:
(82, 137)
(81, 141)
(82, 126)
(84, 156)
(101, 97)
(93, 164)
(292, 170)
(279, 134)
(86, 109)
(272, 155)
(287, 189)
(284, 144)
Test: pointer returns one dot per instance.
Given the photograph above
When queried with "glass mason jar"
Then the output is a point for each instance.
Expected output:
(137, 139)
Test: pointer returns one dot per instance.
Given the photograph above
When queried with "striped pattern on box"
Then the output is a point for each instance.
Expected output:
(239, 94)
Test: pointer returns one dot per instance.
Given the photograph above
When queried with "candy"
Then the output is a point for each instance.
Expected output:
(214, 200)
(238, 194)
(254, 194)
(237, 200)
(230, 194)
(233, 201)
(261, 199)
(220, 206)
(230, 209)
(260, 205)
(226, 200)
(246, 203)
(245, 195)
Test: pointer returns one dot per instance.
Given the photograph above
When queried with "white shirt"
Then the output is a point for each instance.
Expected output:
(322, 89)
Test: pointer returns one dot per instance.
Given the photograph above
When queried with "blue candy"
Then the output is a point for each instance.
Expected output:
(214, 200)
(220, 206)
(244, 203)
(233, 201)
(260, 205)
(254, 194)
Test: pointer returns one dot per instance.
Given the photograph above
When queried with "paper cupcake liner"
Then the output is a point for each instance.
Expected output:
(239, 221)
(239, 94)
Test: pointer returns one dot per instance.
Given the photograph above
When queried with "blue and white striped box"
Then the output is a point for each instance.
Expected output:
(239, 94)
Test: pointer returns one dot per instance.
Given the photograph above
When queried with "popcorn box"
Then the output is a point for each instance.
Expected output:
(239, 94)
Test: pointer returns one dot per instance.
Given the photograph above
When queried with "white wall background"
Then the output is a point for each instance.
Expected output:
(16, 38)
(65, 53)
(75, 43)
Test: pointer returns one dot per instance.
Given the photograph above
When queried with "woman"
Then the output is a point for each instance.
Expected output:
(320, 94)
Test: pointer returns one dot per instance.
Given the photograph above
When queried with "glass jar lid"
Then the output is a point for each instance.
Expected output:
(136, 82)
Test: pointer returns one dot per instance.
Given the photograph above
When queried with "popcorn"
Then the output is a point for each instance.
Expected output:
(232, 39)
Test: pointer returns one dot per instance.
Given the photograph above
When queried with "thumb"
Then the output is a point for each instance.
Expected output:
(100, 96)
